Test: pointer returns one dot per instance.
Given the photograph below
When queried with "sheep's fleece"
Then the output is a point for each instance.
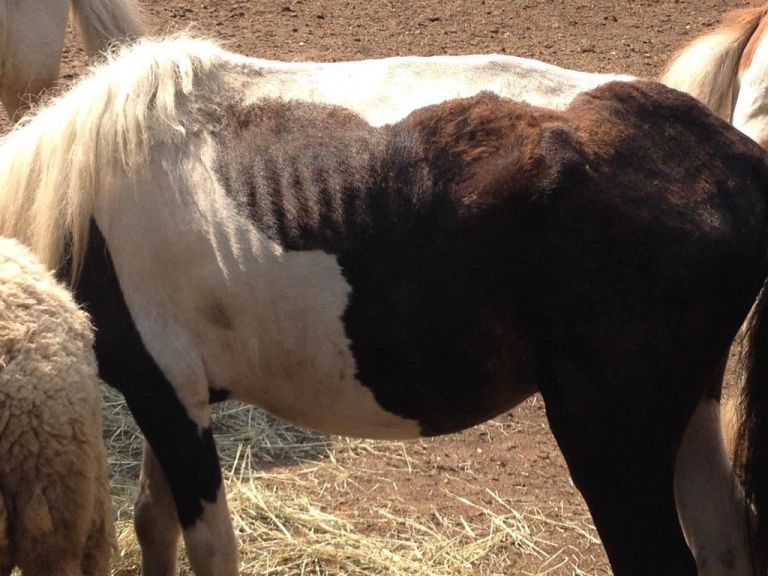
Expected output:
(55, 508)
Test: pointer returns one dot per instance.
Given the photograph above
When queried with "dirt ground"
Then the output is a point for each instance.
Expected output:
(516, 456)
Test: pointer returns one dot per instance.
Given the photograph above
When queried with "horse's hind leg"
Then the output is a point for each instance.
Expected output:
(709, 499)
(157, 525)
(31, 49)
(620, 452)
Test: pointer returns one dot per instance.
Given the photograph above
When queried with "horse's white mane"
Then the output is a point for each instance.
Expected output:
(708, 67)
(52, 163)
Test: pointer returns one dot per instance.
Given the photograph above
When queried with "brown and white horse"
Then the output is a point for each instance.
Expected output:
(32, 38)
(727, 69)
(409, 279)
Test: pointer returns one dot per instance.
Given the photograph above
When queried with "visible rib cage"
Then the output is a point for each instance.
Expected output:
(309, 184)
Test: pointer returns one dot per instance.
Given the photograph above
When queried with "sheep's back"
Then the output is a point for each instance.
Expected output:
(50, 421)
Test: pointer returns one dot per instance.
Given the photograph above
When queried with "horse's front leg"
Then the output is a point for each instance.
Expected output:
(620, 448)
(209, 538)
(204, 514)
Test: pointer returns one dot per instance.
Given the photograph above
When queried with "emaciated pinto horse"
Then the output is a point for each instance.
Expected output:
(411, 279)
(32, 38)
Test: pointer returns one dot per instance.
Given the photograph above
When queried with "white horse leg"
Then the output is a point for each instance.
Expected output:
(155, 519)
(31, 50)
(708, 497)
(190, 481)
(194, 478)
(211, 548)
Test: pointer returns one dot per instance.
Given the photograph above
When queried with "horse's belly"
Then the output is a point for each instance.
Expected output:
(309, 379)
(291, 357)
(282, 341)
(276, 336)
(273, 335)
(221, 306)
(271, 332)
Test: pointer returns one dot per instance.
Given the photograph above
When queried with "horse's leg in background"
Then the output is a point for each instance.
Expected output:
(157, 524)
(33, 40)
(180, 435)
(709, 498)
(620, 448)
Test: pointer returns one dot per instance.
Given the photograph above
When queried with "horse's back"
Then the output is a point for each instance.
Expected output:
(384, 90)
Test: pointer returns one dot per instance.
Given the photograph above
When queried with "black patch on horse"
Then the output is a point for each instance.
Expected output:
(423, 316)
(216, 395)
(186, 453)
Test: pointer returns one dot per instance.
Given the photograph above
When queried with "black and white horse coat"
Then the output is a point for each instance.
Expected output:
(410, 279)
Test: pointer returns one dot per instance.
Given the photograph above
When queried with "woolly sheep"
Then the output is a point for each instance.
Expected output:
(55, 508)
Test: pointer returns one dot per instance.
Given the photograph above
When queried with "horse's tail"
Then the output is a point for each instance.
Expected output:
(708, 67)
(103, 22)
(55, 162)
(751, 443)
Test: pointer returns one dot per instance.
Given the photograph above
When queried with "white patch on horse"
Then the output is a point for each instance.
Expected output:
(210, 543)
(385, 90)
(220, 305)
(751, 112)
(709, 499)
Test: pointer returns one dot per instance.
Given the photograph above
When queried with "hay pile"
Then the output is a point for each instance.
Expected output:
(282, 504)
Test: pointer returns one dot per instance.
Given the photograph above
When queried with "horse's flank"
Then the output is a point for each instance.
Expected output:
(708, 68)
